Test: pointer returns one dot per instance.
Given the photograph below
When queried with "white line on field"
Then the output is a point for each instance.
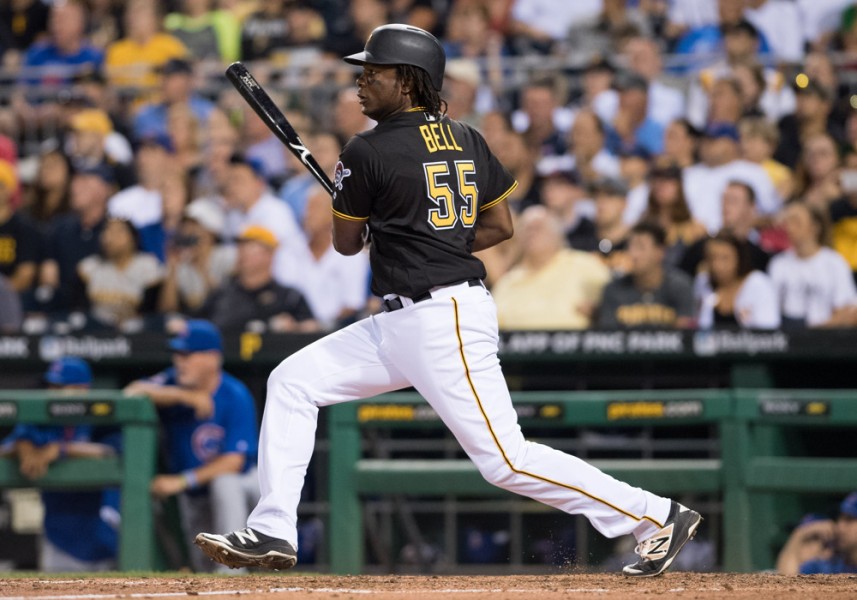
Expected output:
(292, 590)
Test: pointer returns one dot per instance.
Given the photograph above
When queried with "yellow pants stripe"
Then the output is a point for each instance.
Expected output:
(503, 452)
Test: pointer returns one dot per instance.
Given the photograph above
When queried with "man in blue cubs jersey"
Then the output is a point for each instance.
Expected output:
(210, 434)
(67, 514)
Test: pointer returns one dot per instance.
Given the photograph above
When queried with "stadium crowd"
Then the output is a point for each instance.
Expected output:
(681, 163)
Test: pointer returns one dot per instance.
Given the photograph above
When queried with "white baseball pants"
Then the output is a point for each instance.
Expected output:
(446, 348)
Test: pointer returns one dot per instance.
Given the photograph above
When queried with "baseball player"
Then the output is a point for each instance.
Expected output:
(427, 192)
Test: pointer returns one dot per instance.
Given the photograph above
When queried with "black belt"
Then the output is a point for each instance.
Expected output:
(396, 303)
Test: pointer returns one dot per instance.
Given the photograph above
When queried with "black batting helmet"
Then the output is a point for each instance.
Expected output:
(404, 45)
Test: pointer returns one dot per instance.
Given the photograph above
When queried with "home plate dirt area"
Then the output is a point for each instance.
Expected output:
(295, 586)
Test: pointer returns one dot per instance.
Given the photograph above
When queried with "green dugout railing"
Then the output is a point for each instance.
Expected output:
(755, 467)
(131, 471)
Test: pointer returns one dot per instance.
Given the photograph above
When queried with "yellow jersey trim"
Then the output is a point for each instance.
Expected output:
(503, 452)
(416, 109)
(347, 217)
(497, 201)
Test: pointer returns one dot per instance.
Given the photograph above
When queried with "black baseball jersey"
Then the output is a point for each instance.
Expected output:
(420, 182)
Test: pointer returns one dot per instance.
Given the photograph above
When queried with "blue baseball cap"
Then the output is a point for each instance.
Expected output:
(719, 130)
(849, 505)
(198, 336)
(69, 371)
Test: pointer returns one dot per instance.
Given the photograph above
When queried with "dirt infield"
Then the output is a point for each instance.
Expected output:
(393, 587)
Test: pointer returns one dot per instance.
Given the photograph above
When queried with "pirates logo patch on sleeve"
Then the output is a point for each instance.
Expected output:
(339, 174)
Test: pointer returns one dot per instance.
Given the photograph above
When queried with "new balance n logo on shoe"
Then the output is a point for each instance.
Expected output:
(659, 551)
(246, 535)
(659, 546)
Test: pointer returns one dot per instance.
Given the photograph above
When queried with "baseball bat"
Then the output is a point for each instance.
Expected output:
(259, 100)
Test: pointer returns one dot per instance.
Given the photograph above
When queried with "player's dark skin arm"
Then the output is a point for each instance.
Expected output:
(349, 237)
(493, 226)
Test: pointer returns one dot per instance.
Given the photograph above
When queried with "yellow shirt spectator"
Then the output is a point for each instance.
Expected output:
(130, 63)
(552, 287)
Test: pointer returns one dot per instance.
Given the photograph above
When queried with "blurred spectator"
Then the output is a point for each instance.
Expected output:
(741, 43)
(607, 233)
(708, 39)
(157, 237)
(668, 208)
(598, 93)
(739, 219)
(730, 293)
(726, 104)
(221, 144)
(425, 14)
(552, 287)
(348, 117)
(104, 25)
(822, 21)
(141, 203)
(616, 22)
(295, 192)
(67, 514)
(48, 195)
(587, 154)
(540, 24)
(92, 142)
(813, 282)
(634, 171)
(351, 33)
(22, 22)
(252, 298)
(121, 283)
(542, 119)
(251, 202)
(780, 22)
(462, 87)
(750, 77)
(20, 241)
(812, 115)
(681, 142)
(186, 138)
(818, 172)
(469, 34)
(843, 216)
(133, 60)
(721, 163)
(176, 88)
(211, 436)
(759, 140)
(9, 153)
(197, 262)
(823, 546)
(651, 294)
(88, 133)
(208, 33)
(632, 127)
(512, 151)
(565, 197)
(277, 25)
(66, 51)
(263, 147)
(334, 285)
(11, 313)
(643, 57)
(74, 237)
